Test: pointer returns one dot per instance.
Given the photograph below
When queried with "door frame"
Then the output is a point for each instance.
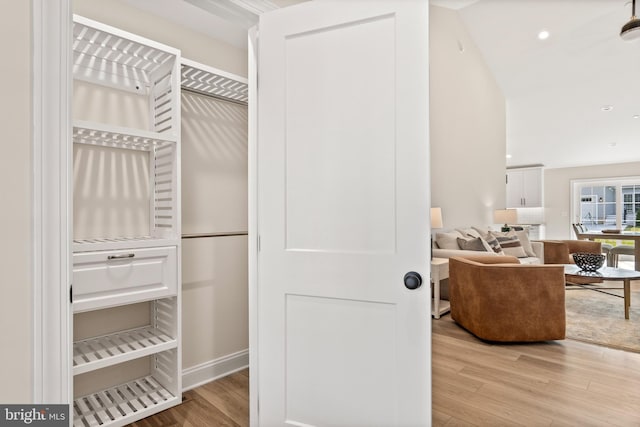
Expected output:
(253, 223)
(51, 200)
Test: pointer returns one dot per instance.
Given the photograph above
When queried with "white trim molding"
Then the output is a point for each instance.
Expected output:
(51, 226)
(253, 224)
(206, 372)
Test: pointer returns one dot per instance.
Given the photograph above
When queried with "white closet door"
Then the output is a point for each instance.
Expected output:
(343, 197)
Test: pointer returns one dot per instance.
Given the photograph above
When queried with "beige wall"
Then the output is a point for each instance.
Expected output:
(468, 126)
(214, 199)
(15, 188)
(557, 192)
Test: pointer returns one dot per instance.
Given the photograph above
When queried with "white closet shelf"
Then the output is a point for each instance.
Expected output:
(123, 404)
(211, 81)
(119, 137)
(108, 350)
(108, 56)
(113, 243)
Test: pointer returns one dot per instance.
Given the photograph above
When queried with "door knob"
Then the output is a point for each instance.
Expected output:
(412, 280)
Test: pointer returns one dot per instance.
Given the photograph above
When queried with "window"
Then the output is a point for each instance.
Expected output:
(607, 203)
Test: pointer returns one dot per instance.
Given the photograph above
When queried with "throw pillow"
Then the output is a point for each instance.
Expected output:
(482, 230)
(523, 236)
(448, 240)
(468, 232)
(493, 243)
(472, 232)
(510, 243)
(472, 244)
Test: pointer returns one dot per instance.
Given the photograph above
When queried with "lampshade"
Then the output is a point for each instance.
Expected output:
(505, 216)
(436, 218)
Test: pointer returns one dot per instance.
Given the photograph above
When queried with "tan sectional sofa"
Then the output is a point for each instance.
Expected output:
(446, 245)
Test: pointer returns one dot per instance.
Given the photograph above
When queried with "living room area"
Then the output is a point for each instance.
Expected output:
(505, 97)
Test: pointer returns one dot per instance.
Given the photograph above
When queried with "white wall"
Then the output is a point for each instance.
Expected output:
(15, 187)
(557, 192)
(468, 126)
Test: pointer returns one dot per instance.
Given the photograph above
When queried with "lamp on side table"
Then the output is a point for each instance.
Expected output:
(436, 222)
(506, 217)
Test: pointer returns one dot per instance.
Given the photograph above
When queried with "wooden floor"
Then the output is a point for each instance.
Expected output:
(563, 383)
(224, 402)
(556, 383)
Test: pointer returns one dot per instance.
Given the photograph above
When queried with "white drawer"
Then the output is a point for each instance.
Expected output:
(109, 278)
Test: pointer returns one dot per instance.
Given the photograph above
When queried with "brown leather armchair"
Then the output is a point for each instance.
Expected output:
(499, 299)
(560, 251)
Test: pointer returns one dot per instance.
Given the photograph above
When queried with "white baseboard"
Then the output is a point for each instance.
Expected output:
(209, 371)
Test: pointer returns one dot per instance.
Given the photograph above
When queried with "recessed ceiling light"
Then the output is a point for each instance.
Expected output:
(543, 35)
(636, 116)
(509, 156)
(607, 107)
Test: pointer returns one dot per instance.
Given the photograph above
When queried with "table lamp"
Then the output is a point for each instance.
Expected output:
(506, 217)
(436, 218)
(436, 222)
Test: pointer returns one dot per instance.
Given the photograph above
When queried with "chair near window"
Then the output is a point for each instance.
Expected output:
(612, 256)
(612, 252)
(579, 229)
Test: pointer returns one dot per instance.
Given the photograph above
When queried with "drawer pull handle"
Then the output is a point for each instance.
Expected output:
(123, 256)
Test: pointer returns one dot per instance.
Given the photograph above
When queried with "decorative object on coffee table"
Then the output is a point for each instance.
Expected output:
(589, 261)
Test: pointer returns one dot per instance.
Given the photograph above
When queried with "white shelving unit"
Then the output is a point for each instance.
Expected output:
(112, 271)
(210, 81)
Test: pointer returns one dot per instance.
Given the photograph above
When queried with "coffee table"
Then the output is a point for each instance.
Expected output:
(607, 273)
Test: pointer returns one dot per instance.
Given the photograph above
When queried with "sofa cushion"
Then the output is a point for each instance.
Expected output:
(523, 236)
(469, 231)
(493, 243)
(448, 240)
(510, 243)
(472, 244)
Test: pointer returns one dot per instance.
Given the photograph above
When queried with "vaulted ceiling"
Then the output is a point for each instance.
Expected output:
(555, 89)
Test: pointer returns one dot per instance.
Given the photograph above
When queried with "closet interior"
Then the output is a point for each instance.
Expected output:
(127, 293)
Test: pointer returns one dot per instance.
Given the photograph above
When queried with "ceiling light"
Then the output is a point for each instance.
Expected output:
(543, 35)
(606, 107)
(636, 116)
(509, 156)
(631, 30)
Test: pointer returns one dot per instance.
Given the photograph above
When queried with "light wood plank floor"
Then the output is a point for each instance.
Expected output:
(224, 402)
(562, 383)
(556, 383)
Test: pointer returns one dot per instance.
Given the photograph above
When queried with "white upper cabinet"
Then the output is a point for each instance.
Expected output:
(524, 188)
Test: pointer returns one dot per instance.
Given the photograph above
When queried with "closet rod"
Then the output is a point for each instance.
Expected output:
(211, 95)
(220, 234)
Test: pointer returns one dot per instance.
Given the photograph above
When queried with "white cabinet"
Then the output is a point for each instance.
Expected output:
(126, 174)
(524, 188)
